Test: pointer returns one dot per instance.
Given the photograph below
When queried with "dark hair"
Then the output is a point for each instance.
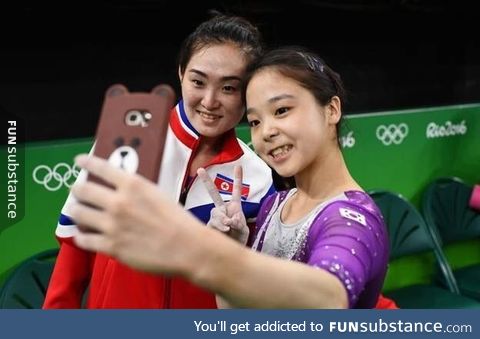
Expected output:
(305, 67)
(220, 29)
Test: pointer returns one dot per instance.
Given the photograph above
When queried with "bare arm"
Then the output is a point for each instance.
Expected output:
(249, 279)
(140, 227)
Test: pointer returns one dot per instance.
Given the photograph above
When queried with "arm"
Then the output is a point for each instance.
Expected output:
(244, 278)
(73, 265)
(228, 217)
(141, 227)
(253, 228)
(70, 278)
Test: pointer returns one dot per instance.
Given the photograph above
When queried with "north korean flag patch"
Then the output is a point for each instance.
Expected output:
(225, 186)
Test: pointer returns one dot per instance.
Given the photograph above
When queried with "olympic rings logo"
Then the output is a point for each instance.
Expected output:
(53, 179)
(392, 133)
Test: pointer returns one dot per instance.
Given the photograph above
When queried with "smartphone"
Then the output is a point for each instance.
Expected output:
(132, 129)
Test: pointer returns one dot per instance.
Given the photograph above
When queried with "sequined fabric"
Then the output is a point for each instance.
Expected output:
(345, 236)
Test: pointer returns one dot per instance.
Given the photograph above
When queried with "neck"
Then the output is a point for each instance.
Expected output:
(206, 151)
(326, 177)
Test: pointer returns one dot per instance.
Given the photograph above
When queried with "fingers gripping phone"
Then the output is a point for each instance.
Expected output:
(132, 129)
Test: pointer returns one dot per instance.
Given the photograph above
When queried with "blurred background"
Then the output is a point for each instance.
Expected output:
(57, 60)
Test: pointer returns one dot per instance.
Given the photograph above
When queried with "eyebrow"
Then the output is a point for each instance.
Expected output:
(272, 100)
(225, 78)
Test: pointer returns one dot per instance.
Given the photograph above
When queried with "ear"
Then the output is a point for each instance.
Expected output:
(180, 75)
(164, 90)
(116, 90)
(334, 110)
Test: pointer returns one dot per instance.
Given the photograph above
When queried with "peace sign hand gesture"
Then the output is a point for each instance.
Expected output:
(227, 217)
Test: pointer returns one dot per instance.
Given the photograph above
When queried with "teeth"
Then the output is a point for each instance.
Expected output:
(280, 150)
(209, 116)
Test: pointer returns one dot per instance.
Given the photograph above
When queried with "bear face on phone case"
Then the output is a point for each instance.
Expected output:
(132, 129)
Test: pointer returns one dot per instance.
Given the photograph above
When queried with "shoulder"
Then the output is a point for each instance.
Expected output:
(357, 205)
(272, 201)
(356, 211)
(268, 207)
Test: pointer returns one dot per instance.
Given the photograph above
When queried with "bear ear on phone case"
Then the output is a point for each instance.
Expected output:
(132, 129)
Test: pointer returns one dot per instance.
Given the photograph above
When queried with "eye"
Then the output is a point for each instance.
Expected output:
(135, 142)
(229, 88)
(133, 117)
(119, 141)
(197, 83)
(282, 110)
(253, 123)
(138, 118)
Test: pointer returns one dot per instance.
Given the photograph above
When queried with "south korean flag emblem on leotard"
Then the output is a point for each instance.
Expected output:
(352, 215)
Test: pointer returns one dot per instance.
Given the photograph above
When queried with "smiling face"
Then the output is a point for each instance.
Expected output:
(211, 88)
(290, 130)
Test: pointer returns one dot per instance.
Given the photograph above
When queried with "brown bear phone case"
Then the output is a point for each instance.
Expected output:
(132, 129)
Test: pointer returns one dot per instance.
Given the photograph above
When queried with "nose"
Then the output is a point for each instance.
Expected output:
(269, 130)
(210, 100)
(123, 153)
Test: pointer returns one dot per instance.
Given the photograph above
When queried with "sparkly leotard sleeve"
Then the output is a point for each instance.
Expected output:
(345, 236)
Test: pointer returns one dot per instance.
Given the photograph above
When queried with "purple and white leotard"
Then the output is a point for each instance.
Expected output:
(345, 236)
